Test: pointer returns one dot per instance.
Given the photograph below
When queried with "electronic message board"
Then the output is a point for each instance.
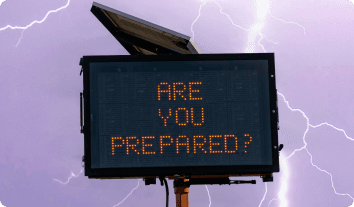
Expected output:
(180, 114)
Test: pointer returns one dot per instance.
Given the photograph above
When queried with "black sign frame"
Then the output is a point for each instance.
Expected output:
(170, 171)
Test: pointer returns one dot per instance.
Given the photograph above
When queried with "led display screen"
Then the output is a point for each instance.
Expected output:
(188, 113)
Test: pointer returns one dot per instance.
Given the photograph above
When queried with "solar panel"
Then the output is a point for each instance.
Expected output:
(138, 36)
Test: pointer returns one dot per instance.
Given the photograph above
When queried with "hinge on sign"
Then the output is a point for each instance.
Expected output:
(83, 160)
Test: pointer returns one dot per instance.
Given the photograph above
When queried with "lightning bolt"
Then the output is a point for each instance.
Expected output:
(32, 23)
(262, 8)
(200, 8)
(128, 194)
(288, 22)
(253, 31)
(266, 187)
(208, 195)
(284, 180)
(71, 176)
(284, 184)
(2, 1)
(262, 11)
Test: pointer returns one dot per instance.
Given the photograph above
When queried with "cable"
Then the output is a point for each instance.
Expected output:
(166, 186)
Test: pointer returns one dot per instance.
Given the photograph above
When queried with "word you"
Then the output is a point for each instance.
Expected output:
(186, 115)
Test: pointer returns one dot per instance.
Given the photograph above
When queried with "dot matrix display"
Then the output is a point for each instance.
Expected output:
(182, 113)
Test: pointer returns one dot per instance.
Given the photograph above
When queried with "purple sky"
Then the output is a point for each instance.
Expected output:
(41, 145)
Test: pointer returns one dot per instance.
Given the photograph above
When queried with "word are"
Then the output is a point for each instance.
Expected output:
(128, 145)
(186, 115)
(179, 92)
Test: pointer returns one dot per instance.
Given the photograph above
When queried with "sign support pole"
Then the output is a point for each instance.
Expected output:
(181, 191)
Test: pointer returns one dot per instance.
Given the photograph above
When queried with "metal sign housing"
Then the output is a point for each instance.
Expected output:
(196, 115)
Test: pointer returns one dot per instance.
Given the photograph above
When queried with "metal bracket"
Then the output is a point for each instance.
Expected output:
(267, 178)
(149, 181)
(209, 181)
(201, 181)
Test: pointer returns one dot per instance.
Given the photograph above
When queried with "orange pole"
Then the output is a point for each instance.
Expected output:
(182, 195)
